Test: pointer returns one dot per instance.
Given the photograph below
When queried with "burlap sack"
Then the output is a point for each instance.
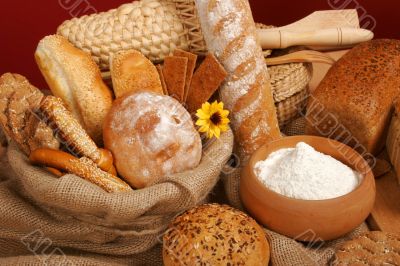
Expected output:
(286, 251)
(72, 216)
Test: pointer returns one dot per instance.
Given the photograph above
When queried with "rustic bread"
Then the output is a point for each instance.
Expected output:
(230, 33)
(215, 234)
(151, 136)
(354, 101)
(131, 71)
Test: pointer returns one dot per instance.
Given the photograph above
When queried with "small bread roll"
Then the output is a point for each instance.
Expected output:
(131, 71)
(73, 76)
(215, 234)
(151, 136)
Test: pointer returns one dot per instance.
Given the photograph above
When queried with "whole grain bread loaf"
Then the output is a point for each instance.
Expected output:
(353, 104)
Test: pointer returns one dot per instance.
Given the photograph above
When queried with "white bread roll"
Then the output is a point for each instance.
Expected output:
(73, 76)
(230, 34)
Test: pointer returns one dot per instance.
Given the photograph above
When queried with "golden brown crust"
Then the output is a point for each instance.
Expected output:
(18, 102)
(215, 234)
(230, 34)
(83, 167)
(73, 136)
(174, 72)
(357, 94)
(373, 248)
(206, 80)
(73, 76)
(161, 75)
(131, 71)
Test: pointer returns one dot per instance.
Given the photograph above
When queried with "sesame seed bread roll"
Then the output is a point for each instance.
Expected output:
(214, 234)
(73, 76)
(230, 34)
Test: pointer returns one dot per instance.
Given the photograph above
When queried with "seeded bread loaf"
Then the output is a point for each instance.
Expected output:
(214, 234)
(230, 33)
(353, 103)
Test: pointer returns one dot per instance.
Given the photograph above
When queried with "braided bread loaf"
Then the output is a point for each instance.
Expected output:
(150, 26)
(230, 33)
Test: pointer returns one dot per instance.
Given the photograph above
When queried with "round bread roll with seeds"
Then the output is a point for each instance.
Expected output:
(151, 136)
(215, 234)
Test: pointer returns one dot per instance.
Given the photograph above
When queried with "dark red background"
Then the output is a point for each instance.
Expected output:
(23, 23)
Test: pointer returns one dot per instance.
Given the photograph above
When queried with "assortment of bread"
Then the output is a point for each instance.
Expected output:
(148, 135)
(215, 234)
(73, 76)
(140, 130)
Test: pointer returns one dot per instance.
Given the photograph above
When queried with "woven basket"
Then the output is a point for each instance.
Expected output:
(291, 108)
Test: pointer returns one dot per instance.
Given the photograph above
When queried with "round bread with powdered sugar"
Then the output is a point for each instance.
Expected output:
(151, 136)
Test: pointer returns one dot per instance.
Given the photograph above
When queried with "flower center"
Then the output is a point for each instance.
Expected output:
(216, 118)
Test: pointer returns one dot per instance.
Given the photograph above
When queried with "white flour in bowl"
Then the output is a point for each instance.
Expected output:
(304, 173)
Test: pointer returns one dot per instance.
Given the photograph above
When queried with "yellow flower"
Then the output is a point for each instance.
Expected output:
(213, 119)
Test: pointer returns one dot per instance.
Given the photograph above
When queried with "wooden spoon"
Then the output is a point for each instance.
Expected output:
(300, 57)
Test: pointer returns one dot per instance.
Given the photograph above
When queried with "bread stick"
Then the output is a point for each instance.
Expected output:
(83, 167)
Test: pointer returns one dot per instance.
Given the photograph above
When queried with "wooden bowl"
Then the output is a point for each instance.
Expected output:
(309, 220)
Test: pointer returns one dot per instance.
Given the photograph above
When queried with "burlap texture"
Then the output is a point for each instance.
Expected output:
(77, 217)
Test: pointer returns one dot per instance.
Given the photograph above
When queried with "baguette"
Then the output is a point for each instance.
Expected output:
(230, 33)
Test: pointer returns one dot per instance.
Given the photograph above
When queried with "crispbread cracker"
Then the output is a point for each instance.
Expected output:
(163, 84)
(192, 58)
(372, 248)
(174, 71)
(132, 71)
(206, 80)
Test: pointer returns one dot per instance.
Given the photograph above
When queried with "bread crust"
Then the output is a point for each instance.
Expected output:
(131, 71)
(355, 98)
(73, 76)
(230, 34)
(151, 136)
(214, 234)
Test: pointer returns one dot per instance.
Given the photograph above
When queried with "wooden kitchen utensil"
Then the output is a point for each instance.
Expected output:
(334, 37)
(308, 56)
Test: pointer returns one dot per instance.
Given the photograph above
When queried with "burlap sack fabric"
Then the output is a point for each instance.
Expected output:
(68, 221)
(73, 217)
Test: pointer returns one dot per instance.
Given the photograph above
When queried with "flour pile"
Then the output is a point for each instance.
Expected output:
(304, 173)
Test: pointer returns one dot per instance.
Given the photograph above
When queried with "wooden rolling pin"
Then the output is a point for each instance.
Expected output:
(335, 37)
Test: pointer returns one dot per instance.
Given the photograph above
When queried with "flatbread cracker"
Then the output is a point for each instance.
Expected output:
(163, 84)
(192, 58)
(174, 71)
(206, 80)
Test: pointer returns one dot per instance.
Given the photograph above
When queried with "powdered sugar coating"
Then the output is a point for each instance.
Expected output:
(151, 136)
